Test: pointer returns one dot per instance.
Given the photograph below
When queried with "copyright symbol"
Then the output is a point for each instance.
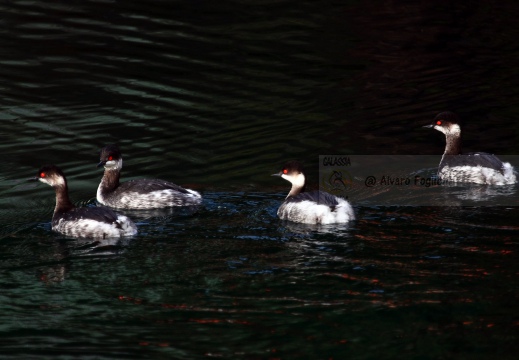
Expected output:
(370, 181)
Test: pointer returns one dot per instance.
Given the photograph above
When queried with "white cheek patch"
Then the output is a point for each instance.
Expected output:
(439, 128)
(53, 181)
(297, 180)
(114, 164)
(43, 180)
(452, 129)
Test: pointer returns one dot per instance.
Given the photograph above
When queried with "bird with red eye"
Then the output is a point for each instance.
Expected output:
(310, 207)
(139, 193)
(111, 157)
(87, 222)
(477, 167)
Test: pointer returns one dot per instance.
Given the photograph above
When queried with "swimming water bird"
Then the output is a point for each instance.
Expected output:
(90, 222)
(478, 167)
(141, 193)
(313, 207)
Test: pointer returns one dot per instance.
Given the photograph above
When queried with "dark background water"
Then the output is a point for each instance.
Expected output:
(216, 96)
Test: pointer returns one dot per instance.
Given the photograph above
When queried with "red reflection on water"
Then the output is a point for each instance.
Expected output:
(130, 299)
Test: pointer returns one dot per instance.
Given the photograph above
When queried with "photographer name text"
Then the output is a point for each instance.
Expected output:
(388, 180)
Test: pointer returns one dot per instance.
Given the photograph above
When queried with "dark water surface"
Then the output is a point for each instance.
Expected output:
(216, 96)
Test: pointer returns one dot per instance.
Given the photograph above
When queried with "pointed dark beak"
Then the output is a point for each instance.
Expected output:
(277, 174)
(102, 163)
(428, 126)
(33, 179)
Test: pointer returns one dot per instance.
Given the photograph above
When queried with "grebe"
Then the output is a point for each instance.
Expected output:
(479, 167)
(141, 193)
(70, 220)
(314, 207)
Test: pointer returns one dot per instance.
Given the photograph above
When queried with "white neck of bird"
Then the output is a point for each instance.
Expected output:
(298, 183)
(452, 139)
